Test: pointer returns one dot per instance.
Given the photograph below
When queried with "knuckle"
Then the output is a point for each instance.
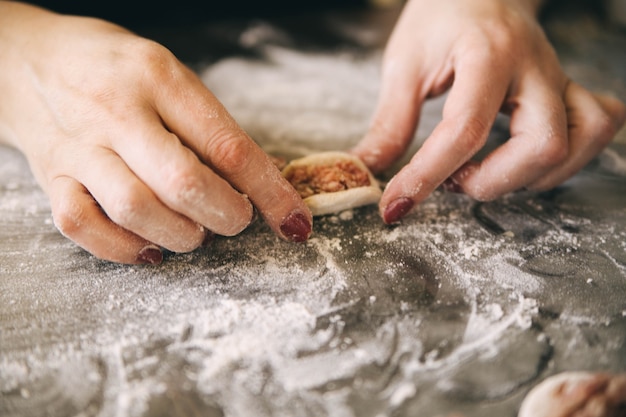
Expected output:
(477, 186)
(69, 217)
(145, 50)
(492, 41)
(154, 60)
(602, 129)
(474, 135)
(230, 152)
(127, 208)
(502, 38)
(551, 151)
(395, 62)
(184, 183)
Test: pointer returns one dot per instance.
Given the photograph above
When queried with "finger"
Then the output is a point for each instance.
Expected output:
(129, 203)
(190, 111)
(616, 391)
(79, 218)
(614, 108)
(580, 394)
(395, 119)
(593, 121)
(538, 143)
(412, 71)
(179, 179)
(562, 394)
(469, 112)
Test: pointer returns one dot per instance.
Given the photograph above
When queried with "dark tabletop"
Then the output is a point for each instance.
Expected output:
(464, 306)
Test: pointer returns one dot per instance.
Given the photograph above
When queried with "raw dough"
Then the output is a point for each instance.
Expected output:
(574, 394)
(330, 182)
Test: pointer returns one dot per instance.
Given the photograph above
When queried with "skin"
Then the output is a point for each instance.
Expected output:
(577, 394)
(490, 56)
(134, 152)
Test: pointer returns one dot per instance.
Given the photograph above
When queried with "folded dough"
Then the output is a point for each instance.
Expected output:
(330, 182)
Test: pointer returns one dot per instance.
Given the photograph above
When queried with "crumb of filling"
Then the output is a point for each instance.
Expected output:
(317, 179)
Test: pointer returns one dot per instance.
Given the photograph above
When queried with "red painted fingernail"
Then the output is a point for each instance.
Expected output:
(452, 186)
(296, 227)
(397, 209)
(150, 255)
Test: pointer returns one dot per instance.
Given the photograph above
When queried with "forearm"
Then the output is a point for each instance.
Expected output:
(17, 22)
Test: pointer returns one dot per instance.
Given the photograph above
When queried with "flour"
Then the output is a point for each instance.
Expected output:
(362, 320)
(318, 101)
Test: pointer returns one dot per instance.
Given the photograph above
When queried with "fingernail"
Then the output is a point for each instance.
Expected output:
(452, 186)
(150, 255)
(296, 227)
(397, 209)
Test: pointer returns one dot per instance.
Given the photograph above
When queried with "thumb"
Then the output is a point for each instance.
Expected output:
(394, 122)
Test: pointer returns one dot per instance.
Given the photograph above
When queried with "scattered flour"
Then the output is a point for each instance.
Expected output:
(253, 317)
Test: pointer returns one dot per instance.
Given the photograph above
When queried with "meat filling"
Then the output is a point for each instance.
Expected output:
(317, 179)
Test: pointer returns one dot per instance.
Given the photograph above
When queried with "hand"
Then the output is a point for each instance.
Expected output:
(571, 394)
(492, 56)
(134, 152)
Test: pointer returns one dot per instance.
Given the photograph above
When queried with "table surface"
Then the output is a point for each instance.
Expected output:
(464, 306)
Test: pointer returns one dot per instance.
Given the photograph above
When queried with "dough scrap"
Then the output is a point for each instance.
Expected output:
(330, 182)
(577, 394)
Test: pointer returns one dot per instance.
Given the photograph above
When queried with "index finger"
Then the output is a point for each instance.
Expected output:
(470, 109)
(195, 115)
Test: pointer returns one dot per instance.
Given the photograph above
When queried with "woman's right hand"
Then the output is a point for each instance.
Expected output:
(134, 152)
